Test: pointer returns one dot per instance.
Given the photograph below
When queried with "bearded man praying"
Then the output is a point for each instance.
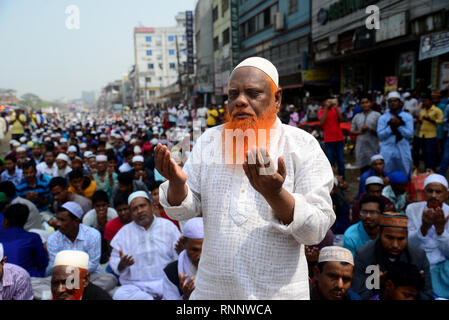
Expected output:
(262, 198)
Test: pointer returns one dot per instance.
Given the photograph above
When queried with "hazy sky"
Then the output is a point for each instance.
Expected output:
(40, 55)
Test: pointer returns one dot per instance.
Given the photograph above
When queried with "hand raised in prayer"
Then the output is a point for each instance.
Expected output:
(312, 253)
(439, 221)
(260, 171)
(186, 286)
(167, 167)
(125, 261)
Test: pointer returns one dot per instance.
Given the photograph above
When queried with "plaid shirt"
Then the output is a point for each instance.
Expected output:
(87, 240)
(41, 188)
(15, 284)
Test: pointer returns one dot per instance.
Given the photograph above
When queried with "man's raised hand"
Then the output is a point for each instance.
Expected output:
(167, 167)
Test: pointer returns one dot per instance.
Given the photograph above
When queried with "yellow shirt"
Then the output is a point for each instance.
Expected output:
(212, 116)
(17, 127)
(429, 129)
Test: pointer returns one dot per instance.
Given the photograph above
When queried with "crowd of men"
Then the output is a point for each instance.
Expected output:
(82, 192)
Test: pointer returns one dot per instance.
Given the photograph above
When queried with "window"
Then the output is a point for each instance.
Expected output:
(215, 43)
(150, 66)
(172, 65)
(266, 17)
(215, 14)
(171, 52)
(292, 6)
(226, 36)
(171, 38)
(161, 66)
(224, 7)
(149, 52)
(293, 48)
(148, 38)
(184, 37)
(251, 25)
(275, 53)
(184, 51)
(147, 79)
(284, 50)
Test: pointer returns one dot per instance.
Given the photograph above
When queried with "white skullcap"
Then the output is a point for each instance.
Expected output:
(83, 145)
(138, 159)
(13, 141)
(138, 194)
(1, 251)
(374, 180)
(23, 139)
(79, 134)
(261, 64)
(72, 149)
(63, 140)
(376, 157)
(21, 149)
(92, 156)
(194, 228)
(406, 95)
(74, 258)
(335, 253)
(87, 154)
(133, 140)
(48, 139)
(127, 138)
(394, 94)
(436, 178)
(137, 149)
(63, 156)
(101, 157)
(74, 208)
(103, 135)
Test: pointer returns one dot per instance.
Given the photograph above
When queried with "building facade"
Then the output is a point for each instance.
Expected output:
(369, 58)
(160, 55)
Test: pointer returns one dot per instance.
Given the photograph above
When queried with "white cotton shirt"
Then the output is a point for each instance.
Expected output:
(43, 168)
(125, 167)
(151, 249)
(90, 218)
(247, 252)
(435, 246)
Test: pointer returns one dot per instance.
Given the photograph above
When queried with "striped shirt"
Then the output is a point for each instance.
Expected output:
(15, 284)
(87, 240)
(41, 188)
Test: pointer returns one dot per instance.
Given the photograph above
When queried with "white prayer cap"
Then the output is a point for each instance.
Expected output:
(137, 150)
(63, 140)
(406, 95)
(72, 149)
(194, 228)
(436, 178)
(79, 133)
(74, 208)
(63, 156)
(20, 149)
(133, 140)
(138, 194)
(101, 157)
(138, 159)
(74, 258)
(92, 155)
(376, 157)
(83, 145)
(335, 253)
(87, 154)
(48, 139)
(374, 180)
(103, 135)
(23, 139)
(261, 64)
(12, 141)
(93, 132)
(393, 95)
(108, 146)
(127, 138)
(1, 251)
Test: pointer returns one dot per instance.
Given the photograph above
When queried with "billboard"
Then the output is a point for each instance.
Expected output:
(432, 45)
(189, 38)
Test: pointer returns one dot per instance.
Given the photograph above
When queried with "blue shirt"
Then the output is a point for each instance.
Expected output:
(24, 249)
(363, 177)
(355, 237)
(41, 188)
(17, 178)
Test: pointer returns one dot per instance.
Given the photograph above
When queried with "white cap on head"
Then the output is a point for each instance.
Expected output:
(1, 251)
(74, 208)
(74, 258)
(102, 158)
(194, 228)
(137, 149)
(376, 157)
(261, 64)
(374, 180)
(138, 194)
(16, 144)
(83, 145)
(127, 138)
(406, 95)
(133, 140)
(335, 253)
(63, 156)
(138, 159)
(21, 149)
(87, 154)
(394, 95)
(79, 134)
(72, 149)
(23, 139)
(62, 140)
(436, 178)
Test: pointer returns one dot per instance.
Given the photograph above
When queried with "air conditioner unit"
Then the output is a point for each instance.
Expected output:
(278, 21)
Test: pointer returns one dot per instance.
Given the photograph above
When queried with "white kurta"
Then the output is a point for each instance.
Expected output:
(436, 246)
(151, 249)
(247, 253)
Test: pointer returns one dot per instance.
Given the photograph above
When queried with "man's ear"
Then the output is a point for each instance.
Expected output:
(85, 280)
(316, 272)
(278, 98)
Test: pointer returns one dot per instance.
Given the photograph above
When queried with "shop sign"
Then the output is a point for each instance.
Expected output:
(433, 45)
(391, 84)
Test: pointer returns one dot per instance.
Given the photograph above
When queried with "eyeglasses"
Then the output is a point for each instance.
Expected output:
(367, 212)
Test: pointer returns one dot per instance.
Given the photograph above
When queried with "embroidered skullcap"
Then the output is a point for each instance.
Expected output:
(194, 228)
(74, 208)
(101, 157)
(138, 159)
(263, 65)
(335, 253)
(393, 219)
(63, 156)
(435, 178)
(74, 258)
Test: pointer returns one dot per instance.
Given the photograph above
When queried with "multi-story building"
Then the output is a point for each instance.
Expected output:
(279, 31)
(204, 85)
(160, 54)
(367, 58)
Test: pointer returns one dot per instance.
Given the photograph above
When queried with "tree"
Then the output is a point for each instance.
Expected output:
(30, 99)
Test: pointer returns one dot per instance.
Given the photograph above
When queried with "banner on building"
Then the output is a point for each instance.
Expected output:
(189, 38)
(406, 69)
(235, 42)
(433, 45)
(316, 75)
(444, 75)
(391, 84)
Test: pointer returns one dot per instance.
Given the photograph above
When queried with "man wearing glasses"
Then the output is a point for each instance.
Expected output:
(367, 229)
